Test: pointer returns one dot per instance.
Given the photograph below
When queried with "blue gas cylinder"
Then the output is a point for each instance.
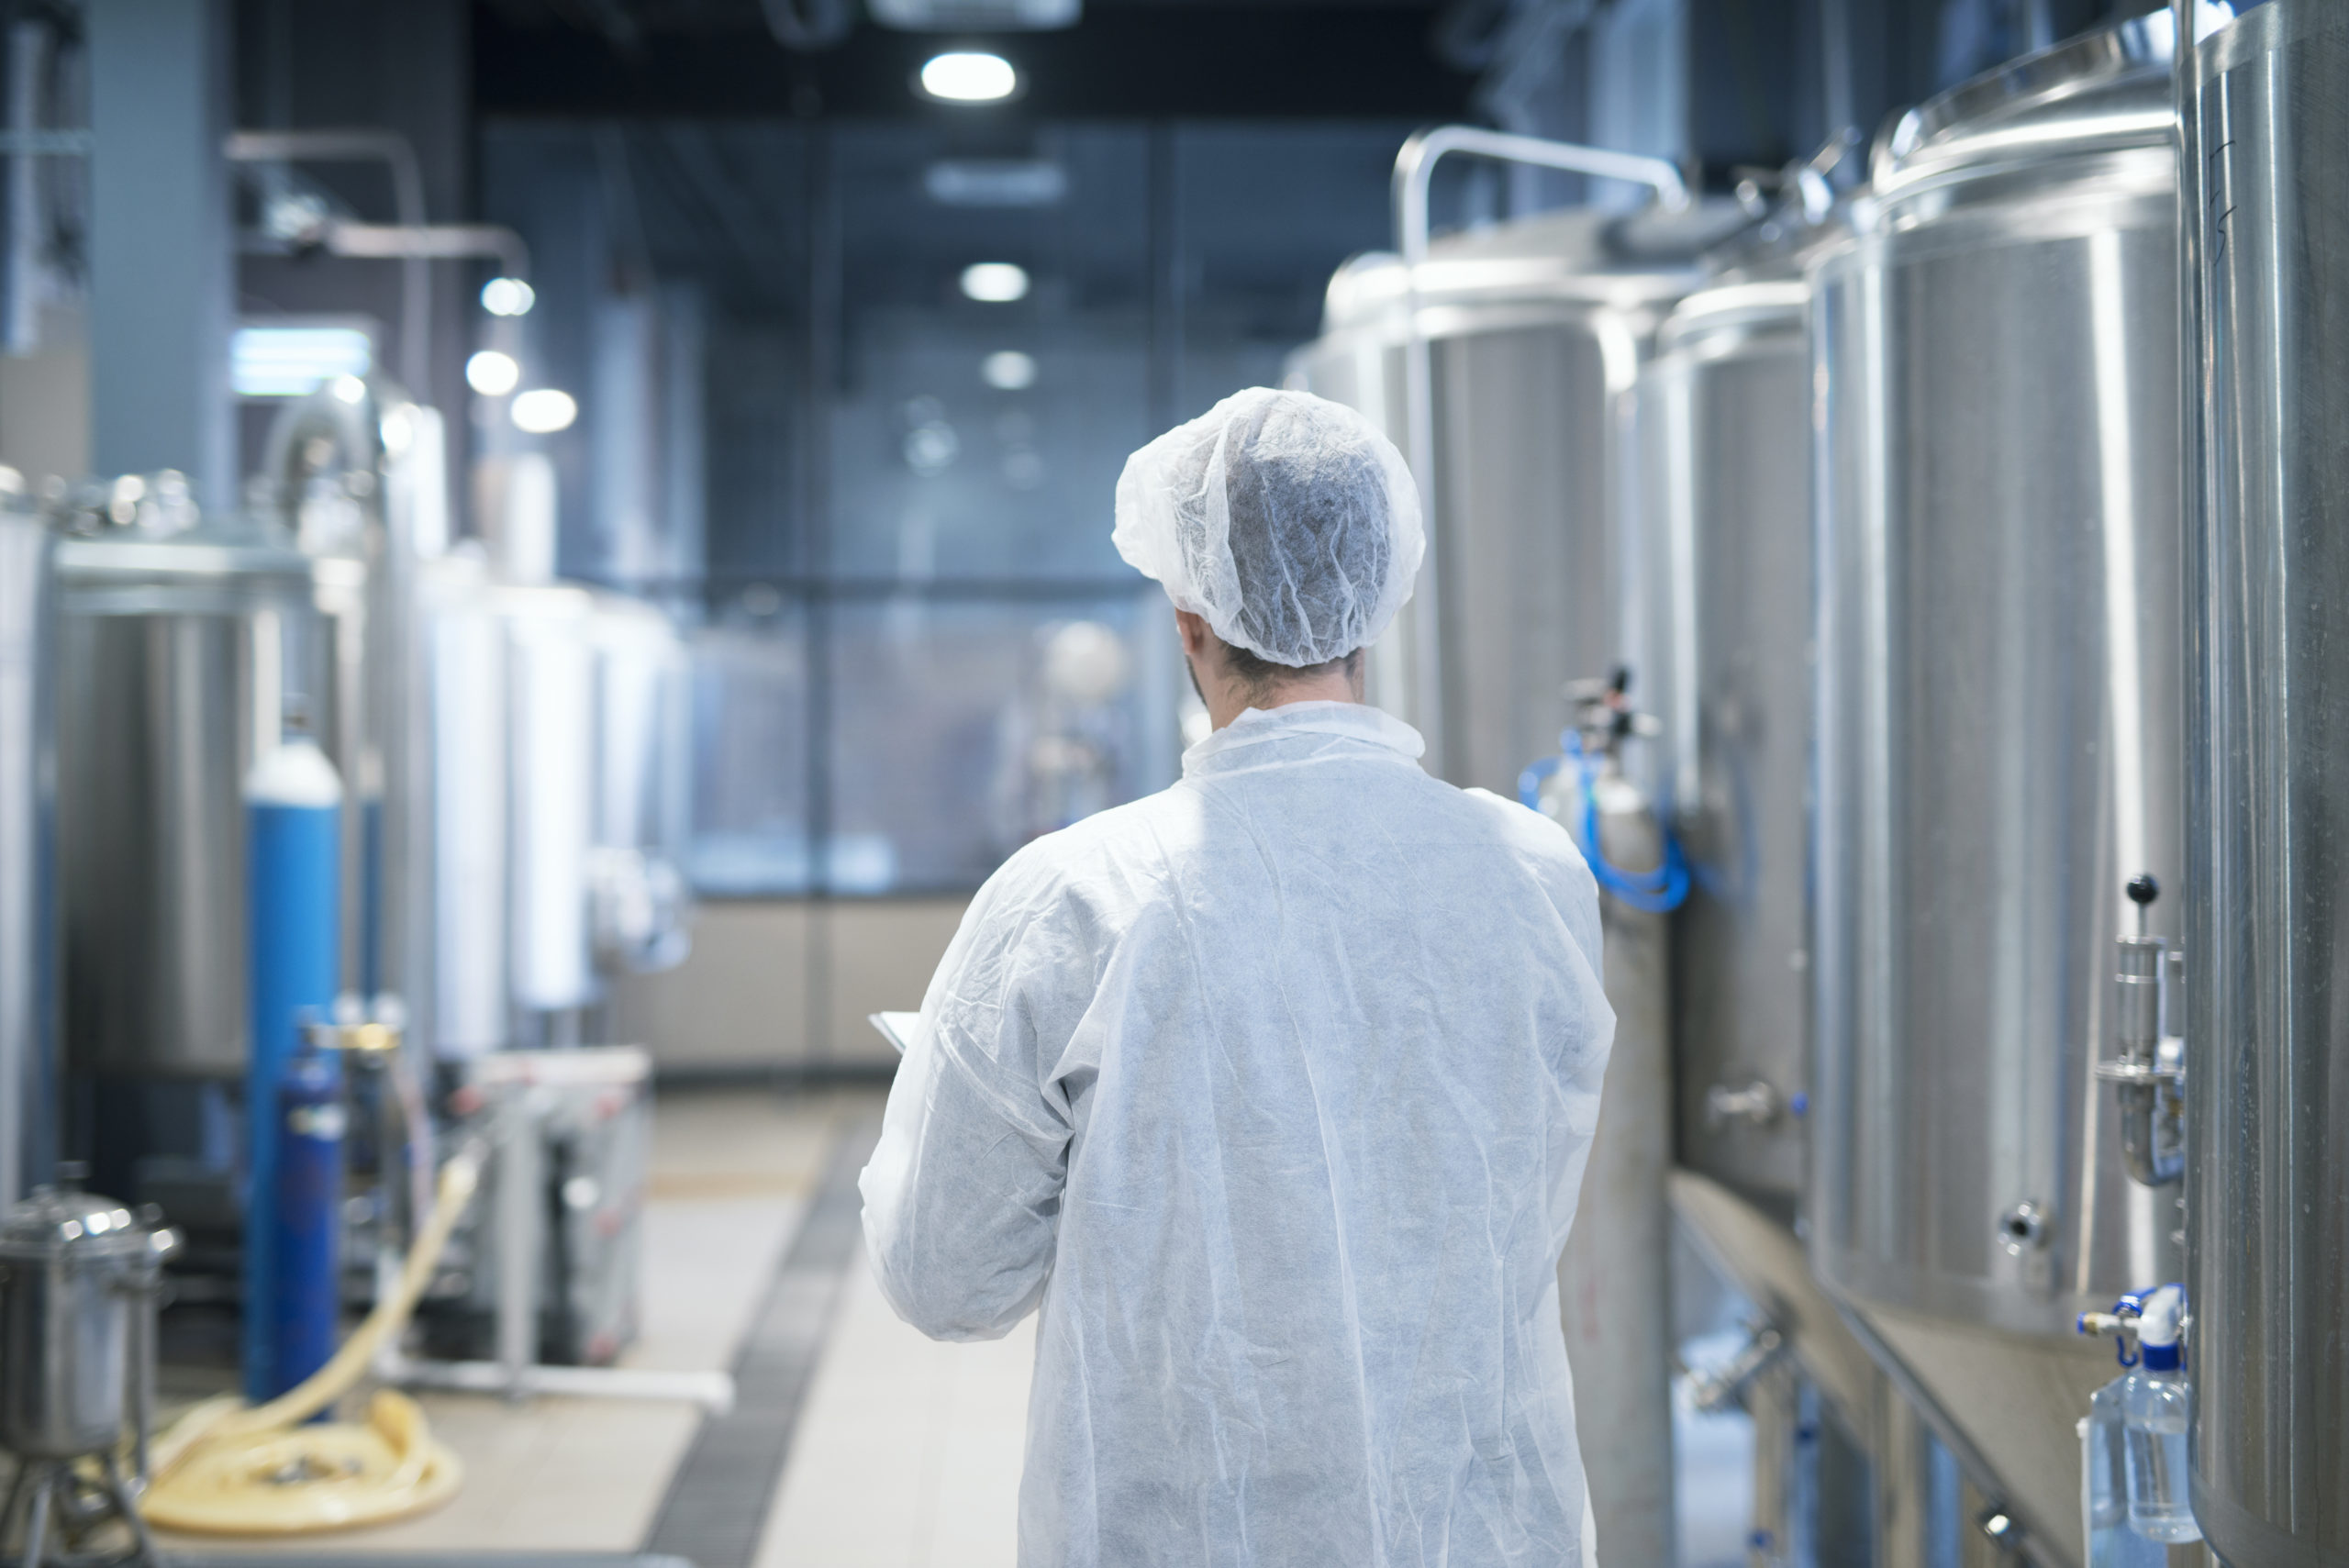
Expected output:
(308, 1210)
(292, 855)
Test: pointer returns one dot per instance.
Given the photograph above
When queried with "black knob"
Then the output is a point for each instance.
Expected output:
(2144, 889)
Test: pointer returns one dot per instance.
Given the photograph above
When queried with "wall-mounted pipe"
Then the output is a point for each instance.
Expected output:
(397, 155)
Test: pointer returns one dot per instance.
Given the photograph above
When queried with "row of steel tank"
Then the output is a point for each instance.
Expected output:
(1880, 502)
(509, 745)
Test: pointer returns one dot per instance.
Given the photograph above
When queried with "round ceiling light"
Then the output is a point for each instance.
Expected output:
(1008, 370)
(543, 410)
(995, 282)
(969, 76)
(508, 297)
(493, 375)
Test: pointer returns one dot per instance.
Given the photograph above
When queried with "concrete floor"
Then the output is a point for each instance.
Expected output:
(908, 1453)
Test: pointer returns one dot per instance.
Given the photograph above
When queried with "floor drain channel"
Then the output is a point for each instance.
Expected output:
(718, 1501)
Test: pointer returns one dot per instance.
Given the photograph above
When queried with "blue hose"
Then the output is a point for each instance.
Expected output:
(1658, 892)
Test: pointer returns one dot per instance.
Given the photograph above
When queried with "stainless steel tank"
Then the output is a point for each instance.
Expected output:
(2267, 935)
(29, 1095)
(79, 1276)
(1536, 330)
(1724, 428)
(179, 653)
(1998, 733)
(554, 750)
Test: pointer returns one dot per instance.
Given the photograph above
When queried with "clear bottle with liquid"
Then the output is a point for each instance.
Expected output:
(2104, 1487)
(2156, 1409)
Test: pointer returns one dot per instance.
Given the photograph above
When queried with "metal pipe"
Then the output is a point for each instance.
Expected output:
(395, 153)
(1414, 168)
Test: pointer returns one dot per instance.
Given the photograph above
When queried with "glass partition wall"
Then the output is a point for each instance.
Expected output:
(853, 397)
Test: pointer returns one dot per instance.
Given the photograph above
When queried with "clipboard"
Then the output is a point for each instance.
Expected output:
(897, 1028)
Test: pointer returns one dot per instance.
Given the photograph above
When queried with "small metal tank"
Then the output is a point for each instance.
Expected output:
(28, 1099)
(78, 1281)
(1537, 330)
(182, 643)
(1998, 734)
(2267, 934)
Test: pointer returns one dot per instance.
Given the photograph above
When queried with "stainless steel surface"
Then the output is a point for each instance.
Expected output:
(1724, 431)
(555, 807)
(28, 1095)
(1997, 728)
(2268, 547)
(176, 656)
(1536, 331)
(1414, 166)
(78, 1277)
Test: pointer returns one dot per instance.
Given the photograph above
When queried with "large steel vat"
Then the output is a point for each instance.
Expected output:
(2267, 934)
(28, 1099)
(1998, 733)
(1536, 333)
(180, 656)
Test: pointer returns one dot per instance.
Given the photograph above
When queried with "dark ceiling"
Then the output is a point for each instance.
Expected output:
(1127, 59)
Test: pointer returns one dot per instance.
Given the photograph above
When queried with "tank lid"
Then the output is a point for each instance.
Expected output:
(58, 1219)
(2107, 89)
(1733, 306)
(1581, 255)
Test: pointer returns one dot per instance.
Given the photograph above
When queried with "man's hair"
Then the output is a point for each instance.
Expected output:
(1261, 677)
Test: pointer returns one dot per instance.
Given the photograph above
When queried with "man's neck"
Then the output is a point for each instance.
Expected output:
(1229, 701)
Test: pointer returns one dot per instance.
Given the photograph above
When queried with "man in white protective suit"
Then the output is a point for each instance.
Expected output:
(1271, 1092)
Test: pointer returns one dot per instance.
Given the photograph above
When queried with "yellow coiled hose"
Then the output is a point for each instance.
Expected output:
(226, 1468)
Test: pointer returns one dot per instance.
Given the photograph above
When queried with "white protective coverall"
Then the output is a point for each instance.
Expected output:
(1275, 1091)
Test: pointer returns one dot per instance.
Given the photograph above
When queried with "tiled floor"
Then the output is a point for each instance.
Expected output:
(908, 1450)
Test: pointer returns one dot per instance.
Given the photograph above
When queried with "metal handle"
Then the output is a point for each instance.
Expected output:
(1414, 167)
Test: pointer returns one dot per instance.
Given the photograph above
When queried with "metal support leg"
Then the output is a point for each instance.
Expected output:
(44, 1477)
(118, 1491)
(520, 1244)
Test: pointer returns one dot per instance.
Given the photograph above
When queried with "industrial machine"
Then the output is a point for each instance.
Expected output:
(184, 643)
(1533, 333)
(1997, 743)
(2268, 583)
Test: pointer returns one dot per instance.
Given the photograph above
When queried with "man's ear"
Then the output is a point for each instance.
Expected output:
(1193, 630)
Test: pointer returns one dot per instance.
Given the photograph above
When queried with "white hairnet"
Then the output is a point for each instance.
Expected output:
(1286, 521)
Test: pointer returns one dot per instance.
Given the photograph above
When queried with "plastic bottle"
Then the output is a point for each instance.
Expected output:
(2157, 1406)
(2104, 1487)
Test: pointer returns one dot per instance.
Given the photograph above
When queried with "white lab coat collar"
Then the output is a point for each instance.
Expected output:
(1349, 721)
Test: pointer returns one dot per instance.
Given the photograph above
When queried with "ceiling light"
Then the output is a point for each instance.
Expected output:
(541, 411)
(969, 77)
(995, 282)
(1008, 370)
(493, 375)
(508, 297)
